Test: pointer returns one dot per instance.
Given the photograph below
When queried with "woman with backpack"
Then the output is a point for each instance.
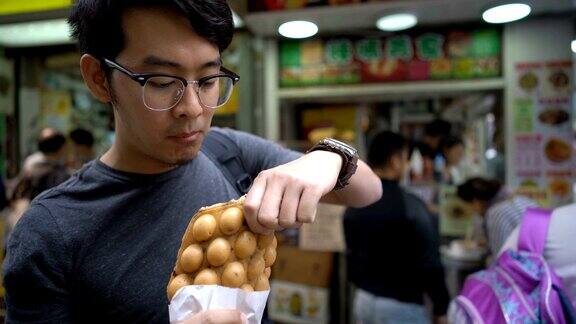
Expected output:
(533, 279)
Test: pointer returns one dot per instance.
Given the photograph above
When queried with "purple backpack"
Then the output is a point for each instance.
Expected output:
(520, 287)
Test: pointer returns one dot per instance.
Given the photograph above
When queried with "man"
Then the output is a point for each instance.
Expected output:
(393, 246)
(51, 149)
(434, 133)
(101, 247)
(428, 153)
(82, 147)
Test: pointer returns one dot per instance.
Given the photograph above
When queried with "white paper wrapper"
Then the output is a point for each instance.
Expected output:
(190, 300)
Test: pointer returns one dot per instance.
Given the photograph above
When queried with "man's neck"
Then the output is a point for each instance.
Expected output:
(127, 160)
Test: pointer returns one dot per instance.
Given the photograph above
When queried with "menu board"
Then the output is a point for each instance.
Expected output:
(455, 54)
(544, 154)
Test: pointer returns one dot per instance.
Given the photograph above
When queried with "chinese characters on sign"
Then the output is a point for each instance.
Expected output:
(401, 57)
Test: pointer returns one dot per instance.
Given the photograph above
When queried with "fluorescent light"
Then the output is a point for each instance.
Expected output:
(506, 13)
(397, 22)
(45, 32)
(298, 29)
(238, 22)
(491, 153)
(573, 46)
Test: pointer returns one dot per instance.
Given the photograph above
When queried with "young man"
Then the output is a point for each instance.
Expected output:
(393, 246)
(101, 247)
(82, 147)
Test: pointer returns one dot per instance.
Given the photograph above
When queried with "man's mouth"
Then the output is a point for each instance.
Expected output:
(185, 137)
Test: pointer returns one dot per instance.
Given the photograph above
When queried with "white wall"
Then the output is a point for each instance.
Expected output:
(531, 40)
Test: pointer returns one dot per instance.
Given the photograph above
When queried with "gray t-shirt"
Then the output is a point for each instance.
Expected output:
(101, 246)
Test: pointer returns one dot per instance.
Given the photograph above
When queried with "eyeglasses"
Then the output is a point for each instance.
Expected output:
(162, 91)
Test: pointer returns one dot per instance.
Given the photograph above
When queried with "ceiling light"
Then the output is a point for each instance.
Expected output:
(573, 46)
(298, 29)
(397, 22)
(506, 13)
(238, 22)
(35, 33)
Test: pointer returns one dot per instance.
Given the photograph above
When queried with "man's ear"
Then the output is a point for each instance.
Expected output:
(95, 78)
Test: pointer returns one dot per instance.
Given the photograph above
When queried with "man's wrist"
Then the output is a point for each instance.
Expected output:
(348, 155)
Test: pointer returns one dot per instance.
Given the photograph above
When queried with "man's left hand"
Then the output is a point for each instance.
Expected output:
(287, 196)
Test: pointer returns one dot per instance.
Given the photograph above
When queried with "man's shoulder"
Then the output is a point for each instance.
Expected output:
(71, 194)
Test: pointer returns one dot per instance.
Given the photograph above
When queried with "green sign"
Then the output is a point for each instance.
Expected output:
(524, 115)
(339, 51)
(290, 54)
(430, 46)
(369, 50)
(399, 48)
(486, 43)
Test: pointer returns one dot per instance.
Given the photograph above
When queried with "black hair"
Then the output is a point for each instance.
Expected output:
(479, 189)
(384, 146)
(449, 142)
(82, 136)
(97, 24)
(52, 143)
(438, 128)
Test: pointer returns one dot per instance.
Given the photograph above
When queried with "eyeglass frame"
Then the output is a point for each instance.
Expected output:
(142, 78)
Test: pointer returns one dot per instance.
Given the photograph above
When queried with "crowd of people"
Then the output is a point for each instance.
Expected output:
(392, 278)
(56, 158)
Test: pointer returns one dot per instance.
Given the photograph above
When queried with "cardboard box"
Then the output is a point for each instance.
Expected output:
(295, 303)
(310, 268)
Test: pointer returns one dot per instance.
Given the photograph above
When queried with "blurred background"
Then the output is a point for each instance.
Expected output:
(443, 73)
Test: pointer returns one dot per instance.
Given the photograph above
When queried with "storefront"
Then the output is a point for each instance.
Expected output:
(506, 89)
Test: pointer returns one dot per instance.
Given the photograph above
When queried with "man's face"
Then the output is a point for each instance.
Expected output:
(455, 154)
(161, 41)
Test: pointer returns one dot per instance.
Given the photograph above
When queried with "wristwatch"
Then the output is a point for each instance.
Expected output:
(349, 158)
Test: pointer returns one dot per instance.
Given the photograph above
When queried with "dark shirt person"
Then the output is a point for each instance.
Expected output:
(393, 255)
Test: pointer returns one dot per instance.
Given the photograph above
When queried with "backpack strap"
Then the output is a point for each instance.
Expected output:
(534, 230)
(225, 153)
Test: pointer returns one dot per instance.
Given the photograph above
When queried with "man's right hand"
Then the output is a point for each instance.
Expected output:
(223, 316)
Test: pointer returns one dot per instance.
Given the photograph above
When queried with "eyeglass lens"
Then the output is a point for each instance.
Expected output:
(161, 93)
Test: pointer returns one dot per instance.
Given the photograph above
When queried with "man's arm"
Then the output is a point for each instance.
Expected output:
(364, 189)
(287, 196)
(34, 271)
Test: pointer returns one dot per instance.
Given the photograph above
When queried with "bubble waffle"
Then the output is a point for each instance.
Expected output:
(218, 248)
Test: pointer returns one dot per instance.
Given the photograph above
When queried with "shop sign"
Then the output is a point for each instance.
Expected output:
(339, 51)
(399, 48)
(369, 50)
(430, 46)
(462, 54)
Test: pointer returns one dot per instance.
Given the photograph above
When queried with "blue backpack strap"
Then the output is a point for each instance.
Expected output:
(225, 153)
(534, 230)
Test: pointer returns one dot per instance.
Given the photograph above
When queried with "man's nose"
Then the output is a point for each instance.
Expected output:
(189, 105)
